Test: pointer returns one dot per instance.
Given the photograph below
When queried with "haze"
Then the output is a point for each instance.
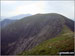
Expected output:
(13, 8)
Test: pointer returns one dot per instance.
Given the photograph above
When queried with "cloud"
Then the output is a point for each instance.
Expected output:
(37, 7)
(8, 2)
(12, 8)
(62, 7)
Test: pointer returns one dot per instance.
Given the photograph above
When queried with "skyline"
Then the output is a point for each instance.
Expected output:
(13, 8)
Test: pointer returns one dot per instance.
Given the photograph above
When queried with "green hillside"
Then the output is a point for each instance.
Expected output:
(63, 42)
(38, 34)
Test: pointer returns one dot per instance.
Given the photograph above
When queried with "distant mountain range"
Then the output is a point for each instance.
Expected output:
(20, 16)
(40, 34)
(5, 21)
(2, 18)
(15, 17)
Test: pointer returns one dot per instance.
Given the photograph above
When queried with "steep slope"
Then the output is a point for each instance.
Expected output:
(31, 31)
(70, 24)
(6, 22)
(62, 42)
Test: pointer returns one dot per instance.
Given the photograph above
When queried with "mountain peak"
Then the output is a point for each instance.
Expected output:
(30, 31)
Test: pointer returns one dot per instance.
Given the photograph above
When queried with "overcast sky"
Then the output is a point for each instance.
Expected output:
(13, 8)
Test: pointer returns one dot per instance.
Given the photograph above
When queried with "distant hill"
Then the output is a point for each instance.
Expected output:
(38, 33)
(17, 17)
(2, 18)
(20, 16)
(6, 22)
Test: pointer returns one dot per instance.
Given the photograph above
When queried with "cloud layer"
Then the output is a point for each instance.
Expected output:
(12, 8)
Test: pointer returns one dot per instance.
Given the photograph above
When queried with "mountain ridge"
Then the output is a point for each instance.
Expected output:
(64, 41)
(31, 31)
(6, 22)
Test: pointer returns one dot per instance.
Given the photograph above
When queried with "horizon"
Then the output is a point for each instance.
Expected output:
(14, 8)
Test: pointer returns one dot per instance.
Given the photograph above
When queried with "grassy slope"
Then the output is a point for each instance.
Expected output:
(63, 42)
